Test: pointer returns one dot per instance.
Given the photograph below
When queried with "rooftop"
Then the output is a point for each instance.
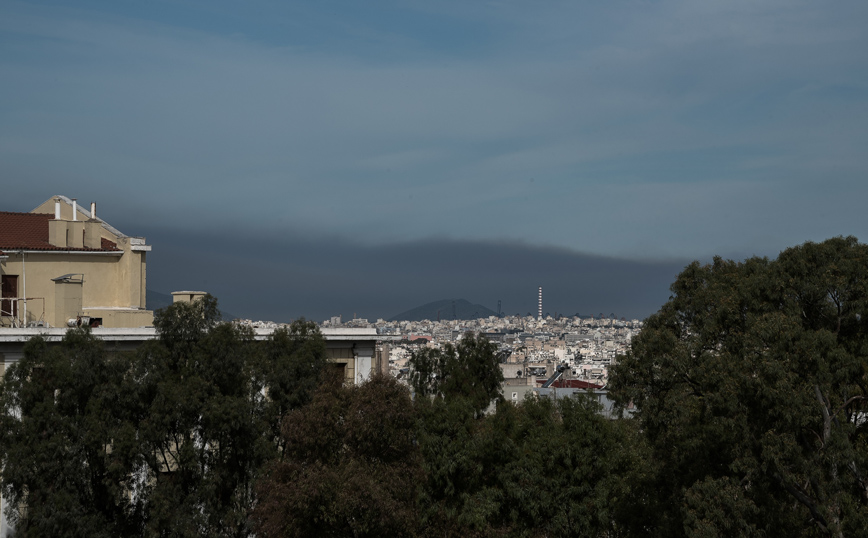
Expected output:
(29, 231)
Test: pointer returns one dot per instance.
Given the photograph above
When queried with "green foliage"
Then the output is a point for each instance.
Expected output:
(61, 408)
(455, 468)
(184, 323)
(289, 368)
(198, 431)
(212, 403)
(573, 471)
(350, 467)
(470, 370)
(366, 461)
(751, 388)
(167, 442)
(540, 468)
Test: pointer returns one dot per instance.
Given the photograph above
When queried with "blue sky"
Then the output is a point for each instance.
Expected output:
(645, 131)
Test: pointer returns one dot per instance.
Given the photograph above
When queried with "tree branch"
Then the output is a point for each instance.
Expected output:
(848, 402)
(827, 421)
(805, 500)
(859, 478)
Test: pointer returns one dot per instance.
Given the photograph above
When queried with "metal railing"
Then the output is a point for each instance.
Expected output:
(11, 312)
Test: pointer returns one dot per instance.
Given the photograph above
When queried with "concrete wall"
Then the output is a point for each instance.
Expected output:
(115, 280)
(67, 301)
(121, 317)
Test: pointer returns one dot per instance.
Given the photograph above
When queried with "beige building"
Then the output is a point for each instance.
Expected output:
(61, 263)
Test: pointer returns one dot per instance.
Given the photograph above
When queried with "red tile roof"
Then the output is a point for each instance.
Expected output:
(29, 231)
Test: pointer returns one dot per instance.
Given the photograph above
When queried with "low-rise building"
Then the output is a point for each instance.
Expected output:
(60, 262)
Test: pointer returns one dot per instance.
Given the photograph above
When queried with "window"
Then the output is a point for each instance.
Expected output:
(9, 286)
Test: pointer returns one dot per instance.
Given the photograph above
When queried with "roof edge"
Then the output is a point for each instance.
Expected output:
(86, 212)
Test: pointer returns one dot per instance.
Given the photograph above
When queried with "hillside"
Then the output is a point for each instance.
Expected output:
(445, 309)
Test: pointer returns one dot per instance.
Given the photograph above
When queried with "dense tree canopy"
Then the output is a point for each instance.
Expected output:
(469, 370)
(60, 409)
(539, 468)
(751, 389)
(350, 468)
(366, 461)
(168, 441)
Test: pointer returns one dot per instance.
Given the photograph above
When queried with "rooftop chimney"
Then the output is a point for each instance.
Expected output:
(93, 210)
(74, 209)
(57, 209)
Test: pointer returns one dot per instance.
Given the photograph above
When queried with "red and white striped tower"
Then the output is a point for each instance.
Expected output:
(540, 303)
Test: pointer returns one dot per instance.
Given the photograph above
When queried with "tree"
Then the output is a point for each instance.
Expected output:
(542, 467)
(470, 371)
(169, 441)
(289, 368)
(210, 401)
(350, 467)
(452, 388)
(198, 430)
(569, 472)
(750, 385)
(61, 408)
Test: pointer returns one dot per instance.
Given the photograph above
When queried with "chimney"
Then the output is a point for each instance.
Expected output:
(57, 229)
(74, 209)
(92, 236)
(187, 296)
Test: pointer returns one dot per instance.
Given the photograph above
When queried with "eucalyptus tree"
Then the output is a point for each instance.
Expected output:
(168, 441)
(351, 465)
(211, 400)
(750, 385)
(66, 441)
(469, 371)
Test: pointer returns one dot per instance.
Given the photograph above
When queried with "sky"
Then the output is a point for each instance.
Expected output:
(335, 157)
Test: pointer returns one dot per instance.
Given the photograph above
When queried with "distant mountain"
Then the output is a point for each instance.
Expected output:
(444, 310)
(156, 300)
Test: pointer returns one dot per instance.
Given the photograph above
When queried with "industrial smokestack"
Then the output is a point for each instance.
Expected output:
(93, 210)
(74, 209)
(540, 303)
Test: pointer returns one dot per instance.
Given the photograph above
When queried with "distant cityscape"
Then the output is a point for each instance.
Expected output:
(531, 347)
